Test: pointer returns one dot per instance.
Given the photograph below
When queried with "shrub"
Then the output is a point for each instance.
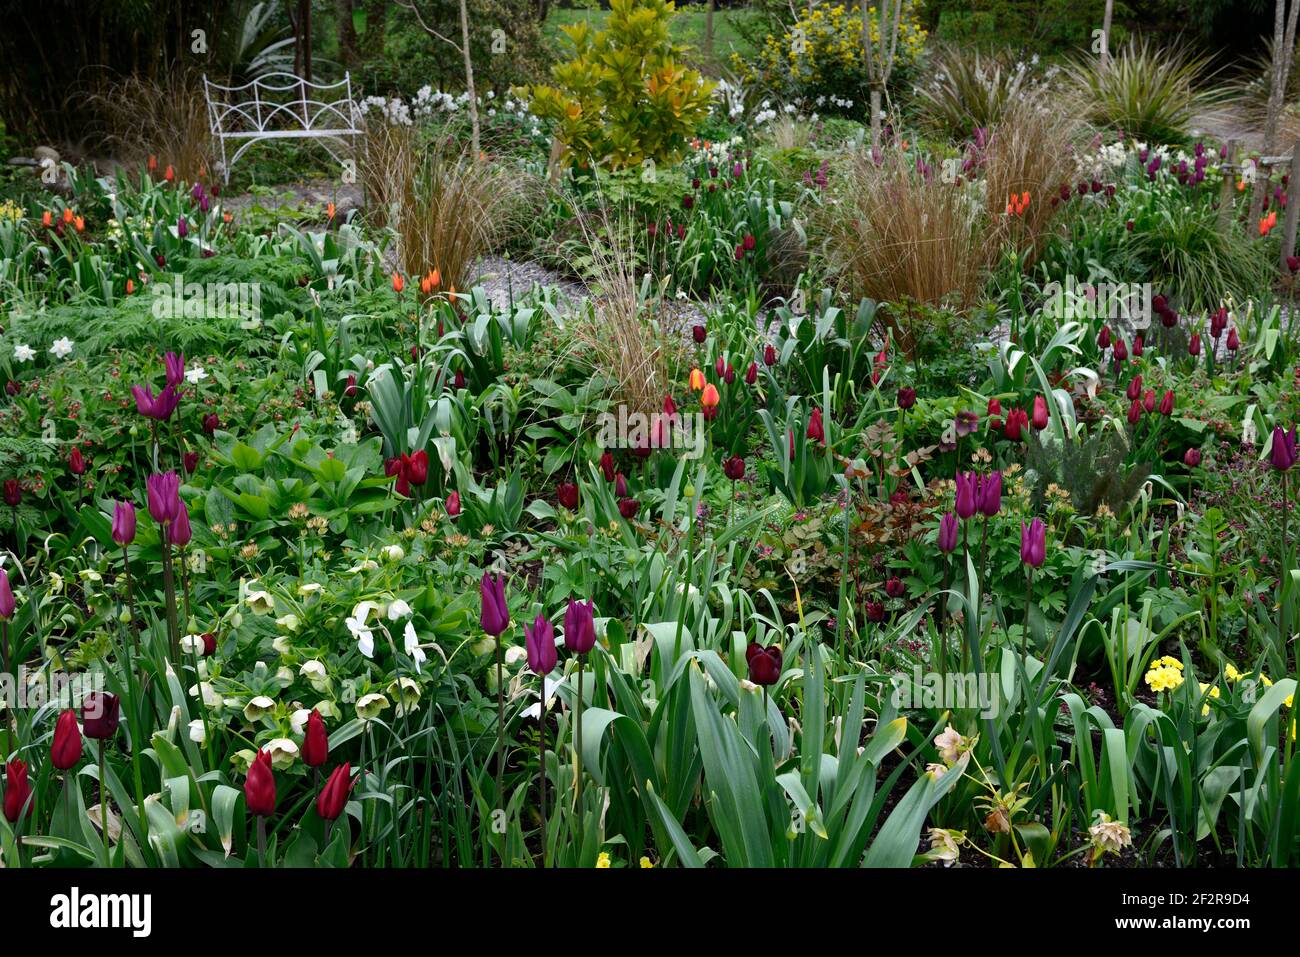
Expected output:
(819, 59)
(623, 98)
(1149, 93)
(141, 117)
(969, 90)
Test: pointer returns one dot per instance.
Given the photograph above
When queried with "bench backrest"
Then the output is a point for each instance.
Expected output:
(280, 103)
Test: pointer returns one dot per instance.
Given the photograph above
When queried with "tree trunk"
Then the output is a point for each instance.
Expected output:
(1105, 33)
(343, 10)
(1284, 26)
(469, 78)
(708, 28)
(875, 117)
(304, 18)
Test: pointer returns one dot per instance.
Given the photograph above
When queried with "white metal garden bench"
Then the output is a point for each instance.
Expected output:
(280, 106)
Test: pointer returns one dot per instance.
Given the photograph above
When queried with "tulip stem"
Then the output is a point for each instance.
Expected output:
(1029, 596)
(501, 732)
(1286, 574)
(261, 841)
(130, 599)
(103, 801)
(577, 736)
(941, 643)
(541, 766)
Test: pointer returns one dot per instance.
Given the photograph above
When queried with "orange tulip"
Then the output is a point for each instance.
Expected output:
(47, 219)
(225, 218)
(130, 286)
(170, 175)
(80, 223)
(697, 380)
(153, 164)
(398, 283)
(435, 279)
(67, 216)
(710, 398)
(329, 211)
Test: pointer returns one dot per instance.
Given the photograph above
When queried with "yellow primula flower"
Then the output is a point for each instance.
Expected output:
(603, 860)
(646, 863)
(1213, 692)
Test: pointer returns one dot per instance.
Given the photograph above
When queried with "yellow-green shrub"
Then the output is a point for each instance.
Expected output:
(623, 98)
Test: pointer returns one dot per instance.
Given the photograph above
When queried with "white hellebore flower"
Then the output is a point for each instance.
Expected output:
(949, 744)
(24, 352)
(283, 753)
(398, 609)
(370, 706)
(258, 707)
(298, 721)
(392, 553)
(413, 646)
(260, 601)
(196, 375)
(62, 348)
(198, 734)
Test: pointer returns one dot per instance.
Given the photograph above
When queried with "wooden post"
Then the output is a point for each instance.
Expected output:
(1292, 212)
(1229, 185)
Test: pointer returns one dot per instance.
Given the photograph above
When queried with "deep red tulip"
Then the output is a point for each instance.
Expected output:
(334, 795)
(259, 786)
(1134, 388)
(76, 463)
(734, 468)
(17, 791)
(1167, 403)
(567, 493)
(211, 423)
(628, 507)
(894, 587)
(1039, 419)
(65, 750)
(816, 431)
(315, 742)
(607, 465)
(1192, 458)
(906, 397)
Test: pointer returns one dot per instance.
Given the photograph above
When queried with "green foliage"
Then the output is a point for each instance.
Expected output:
(623, 98)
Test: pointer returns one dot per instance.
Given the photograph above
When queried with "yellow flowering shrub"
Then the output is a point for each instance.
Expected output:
(821, 59)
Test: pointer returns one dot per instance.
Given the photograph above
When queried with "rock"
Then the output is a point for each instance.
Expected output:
(47, 152)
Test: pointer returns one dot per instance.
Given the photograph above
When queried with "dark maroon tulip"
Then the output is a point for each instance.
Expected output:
(580, 626)
(1282, 455)
(100, 715)
(458, 380)
(13, 388)
(1194, 347)
(209, 639)
(1134, 388)
(65, 750)
(734, 468)
(894, 587)
(1233, 341)
(620, 485)
(875, 612)
(567, 493)
(13, 493)
(1167, 403)
(259, 786)
(17, 791)
(1135, 412)
(315, 742)
(1149, 400)
(350, 390)
(906, 397)
(699, 332)
(607, 465)
(751, 374)
(628, 507)
(764, 663)
(191, 462)
(334, 795)
(1293, 263)
(211, 423)
(688, 201)
(1138, 343)
(769, 355)
(1192, 458)
(495, 616)
(76, 462)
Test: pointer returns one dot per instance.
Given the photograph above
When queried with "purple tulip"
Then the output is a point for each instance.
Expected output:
(990, 495)
(164, 497)
(124, 523)
(1033, 543)
(579, 627)
(1283, 452)
(947, 532)
(181, 533)
(159, 407)
(7, 603)
(966, 482)
(495, 617)
(540, 640)
(182, 228)
(175, 365)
